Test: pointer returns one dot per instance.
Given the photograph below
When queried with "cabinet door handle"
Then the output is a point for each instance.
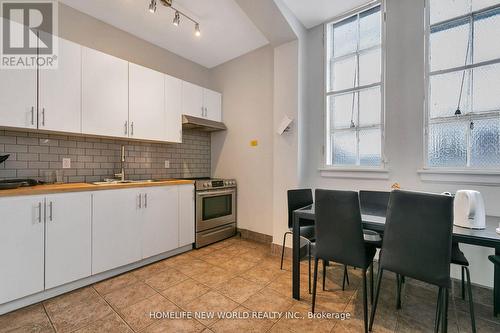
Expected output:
(39, 212)
(140, 201)
(202, 111)
(50, 210)
(132, 128)
(32, 115)
(146, 200)
(43, 116)
(126, 127)
(206, 112)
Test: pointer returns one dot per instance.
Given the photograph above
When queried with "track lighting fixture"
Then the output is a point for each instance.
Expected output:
(177, 19)
(177, 14)
(152, 6)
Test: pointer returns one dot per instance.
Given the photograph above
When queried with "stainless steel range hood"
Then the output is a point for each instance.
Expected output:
(190, 122)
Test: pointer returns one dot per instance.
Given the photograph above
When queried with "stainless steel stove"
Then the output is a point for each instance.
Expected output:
(215, 210)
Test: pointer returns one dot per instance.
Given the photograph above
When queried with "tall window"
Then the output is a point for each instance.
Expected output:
(354, 88)
(463, 118)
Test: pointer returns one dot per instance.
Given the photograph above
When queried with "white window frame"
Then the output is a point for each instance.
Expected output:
(354, 171)
(490, 175)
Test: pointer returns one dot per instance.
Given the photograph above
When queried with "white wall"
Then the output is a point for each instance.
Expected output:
(404, 120)
(247, 87)
(286, 151)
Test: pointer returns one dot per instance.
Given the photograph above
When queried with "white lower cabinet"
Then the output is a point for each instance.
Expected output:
(21, 247)
(186, 215)
(159, 220)
(68, 225)
(116, 229)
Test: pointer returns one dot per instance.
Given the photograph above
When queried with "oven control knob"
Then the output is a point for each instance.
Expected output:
(206, 184)
(226, 183)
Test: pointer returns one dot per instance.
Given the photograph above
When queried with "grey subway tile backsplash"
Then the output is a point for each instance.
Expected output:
(35, 155)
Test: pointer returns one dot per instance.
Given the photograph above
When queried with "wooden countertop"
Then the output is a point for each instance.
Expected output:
(82, 187)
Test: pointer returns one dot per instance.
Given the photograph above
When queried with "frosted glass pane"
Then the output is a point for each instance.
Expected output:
(343, 73)
(487, 36)
(369, 106)
(487, 88)
(480, 4)
(369, 28)
(342, 112)
(370, 147)
(370, 64)
(485, 139)
(448, 45)
(446, 9)
(447, 144)
(344, 148)
(444, 94)
(345, 37)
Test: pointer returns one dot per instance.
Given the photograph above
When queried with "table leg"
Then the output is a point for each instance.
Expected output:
(296, 258)
(496, 287)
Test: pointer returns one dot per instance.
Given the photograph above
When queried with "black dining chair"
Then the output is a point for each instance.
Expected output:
(374, 202)
(418, 234)
(297, 199)
(339, 236)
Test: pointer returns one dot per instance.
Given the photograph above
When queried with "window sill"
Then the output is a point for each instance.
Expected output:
(354, 173)
(467, 177)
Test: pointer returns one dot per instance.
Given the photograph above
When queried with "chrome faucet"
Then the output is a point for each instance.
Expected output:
(121, 175)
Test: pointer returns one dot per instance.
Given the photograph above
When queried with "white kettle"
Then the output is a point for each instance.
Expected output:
(469, 211)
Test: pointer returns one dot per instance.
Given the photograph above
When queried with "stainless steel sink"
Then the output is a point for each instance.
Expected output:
(113, 182)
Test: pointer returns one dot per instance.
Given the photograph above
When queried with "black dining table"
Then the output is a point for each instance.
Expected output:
(375, 220)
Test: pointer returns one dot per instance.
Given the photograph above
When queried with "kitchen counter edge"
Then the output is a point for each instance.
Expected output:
(85, 187)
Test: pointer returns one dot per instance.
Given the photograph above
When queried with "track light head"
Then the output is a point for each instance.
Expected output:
(177, 19)
(152, 6)
(197, 31)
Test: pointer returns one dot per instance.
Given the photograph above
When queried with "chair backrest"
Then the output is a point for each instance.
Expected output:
(298, 199)
(339, 232)
(374, 202)
(417, 236)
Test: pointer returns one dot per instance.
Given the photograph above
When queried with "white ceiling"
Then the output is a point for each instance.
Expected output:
(314, 12)
(226, 31)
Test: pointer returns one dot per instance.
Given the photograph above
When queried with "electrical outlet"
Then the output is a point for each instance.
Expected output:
(167, 164)
(66, 162)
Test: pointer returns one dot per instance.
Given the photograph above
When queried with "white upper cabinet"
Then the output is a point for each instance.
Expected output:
(59, 103)
(21, 247)
(18, 98)
(192, 100)
(159, 220)
(68, 219)
(104, 94)
(200, 102)
(146, 104)
(212, 102)
(173, 104)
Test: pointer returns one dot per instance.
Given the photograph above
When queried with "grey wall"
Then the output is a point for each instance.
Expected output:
(90, 32)
(33, 155)
(405, 90)
(247, 87)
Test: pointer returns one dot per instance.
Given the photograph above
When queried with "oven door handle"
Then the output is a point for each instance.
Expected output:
(213, 193)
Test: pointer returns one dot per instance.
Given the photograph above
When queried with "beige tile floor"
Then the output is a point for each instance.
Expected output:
(238, 276)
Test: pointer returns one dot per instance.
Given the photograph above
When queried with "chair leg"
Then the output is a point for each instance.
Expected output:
(315, 280)
(283, 247)
(324, 274)
(309, 262)
(346, 273)
(371, 283)
(445, 311)
(365, 302)
(463, 283)
(344, 277)
(377, 293)
(398, 285)
(438, 310)
(471, 301)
